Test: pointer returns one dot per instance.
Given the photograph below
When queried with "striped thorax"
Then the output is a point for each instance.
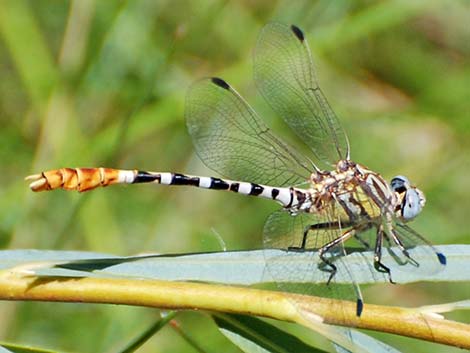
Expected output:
(361, 192)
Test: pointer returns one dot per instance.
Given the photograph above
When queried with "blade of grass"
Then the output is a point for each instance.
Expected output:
(375, 18)
(245, 331)
(28, 50)
(17, 348)
(186, 337)
(147, 334)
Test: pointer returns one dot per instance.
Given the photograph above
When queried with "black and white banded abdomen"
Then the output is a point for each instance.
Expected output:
(85, 179)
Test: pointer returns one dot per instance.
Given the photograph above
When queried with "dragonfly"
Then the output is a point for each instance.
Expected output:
(331, 197)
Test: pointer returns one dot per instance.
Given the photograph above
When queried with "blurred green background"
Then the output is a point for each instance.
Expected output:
(103, 83)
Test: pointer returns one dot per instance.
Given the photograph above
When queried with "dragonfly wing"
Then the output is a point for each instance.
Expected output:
(425, 258)
(231, 139)
(303, 271)
(285, 76)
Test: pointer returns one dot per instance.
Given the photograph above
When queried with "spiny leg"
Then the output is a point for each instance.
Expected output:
(317, 226)
(344, 237)
(325, 248)
(378, 265)
(390, 250)
(400, 245)
(321, 252)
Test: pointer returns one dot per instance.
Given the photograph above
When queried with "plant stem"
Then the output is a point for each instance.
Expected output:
(306, 310)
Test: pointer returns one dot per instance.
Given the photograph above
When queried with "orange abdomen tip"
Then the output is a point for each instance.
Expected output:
(38, 182)
(80, 179)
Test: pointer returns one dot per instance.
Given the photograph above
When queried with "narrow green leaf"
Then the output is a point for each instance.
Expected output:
(189, 340)
(253, 335)
(147, 334)
(28, 49)
(375, 18)
(16, 348)
(230, 267)
(447, 307)
(364, 342)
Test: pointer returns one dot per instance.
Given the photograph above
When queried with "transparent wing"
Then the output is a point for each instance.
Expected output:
(232, 140)
(303, 271)
(425, 258)
(285, 76)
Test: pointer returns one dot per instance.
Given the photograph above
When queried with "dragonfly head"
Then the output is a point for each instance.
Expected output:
(411, 200)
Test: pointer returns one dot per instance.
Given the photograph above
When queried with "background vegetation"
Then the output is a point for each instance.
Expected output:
(102, 83)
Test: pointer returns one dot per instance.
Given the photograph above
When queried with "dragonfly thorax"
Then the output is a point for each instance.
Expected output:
(351, 191)
(356, 193)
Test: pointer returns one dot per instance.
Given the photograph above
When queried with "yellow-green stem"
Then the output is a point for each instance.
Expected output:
(197, 296)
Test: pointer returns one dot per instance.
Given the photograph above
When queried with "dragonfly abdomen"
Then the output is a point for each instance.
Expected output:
(282, 195)
(85, 179)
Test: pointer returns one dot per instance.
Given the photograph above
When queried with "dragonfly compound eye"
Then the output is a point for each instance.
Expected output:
(412, 200)
(400, 184)
(413, 203)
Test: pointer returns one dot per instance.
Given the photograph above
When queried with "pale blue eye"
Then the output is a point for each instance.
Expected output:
(411, 204)
(412, 201)
(399, 182)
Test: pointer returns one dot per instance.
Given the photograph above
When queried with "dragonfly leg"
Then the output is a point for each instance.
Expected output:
(321, 252)
(304, 241)
(378, 265)
(312, 227)
(405, 252)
